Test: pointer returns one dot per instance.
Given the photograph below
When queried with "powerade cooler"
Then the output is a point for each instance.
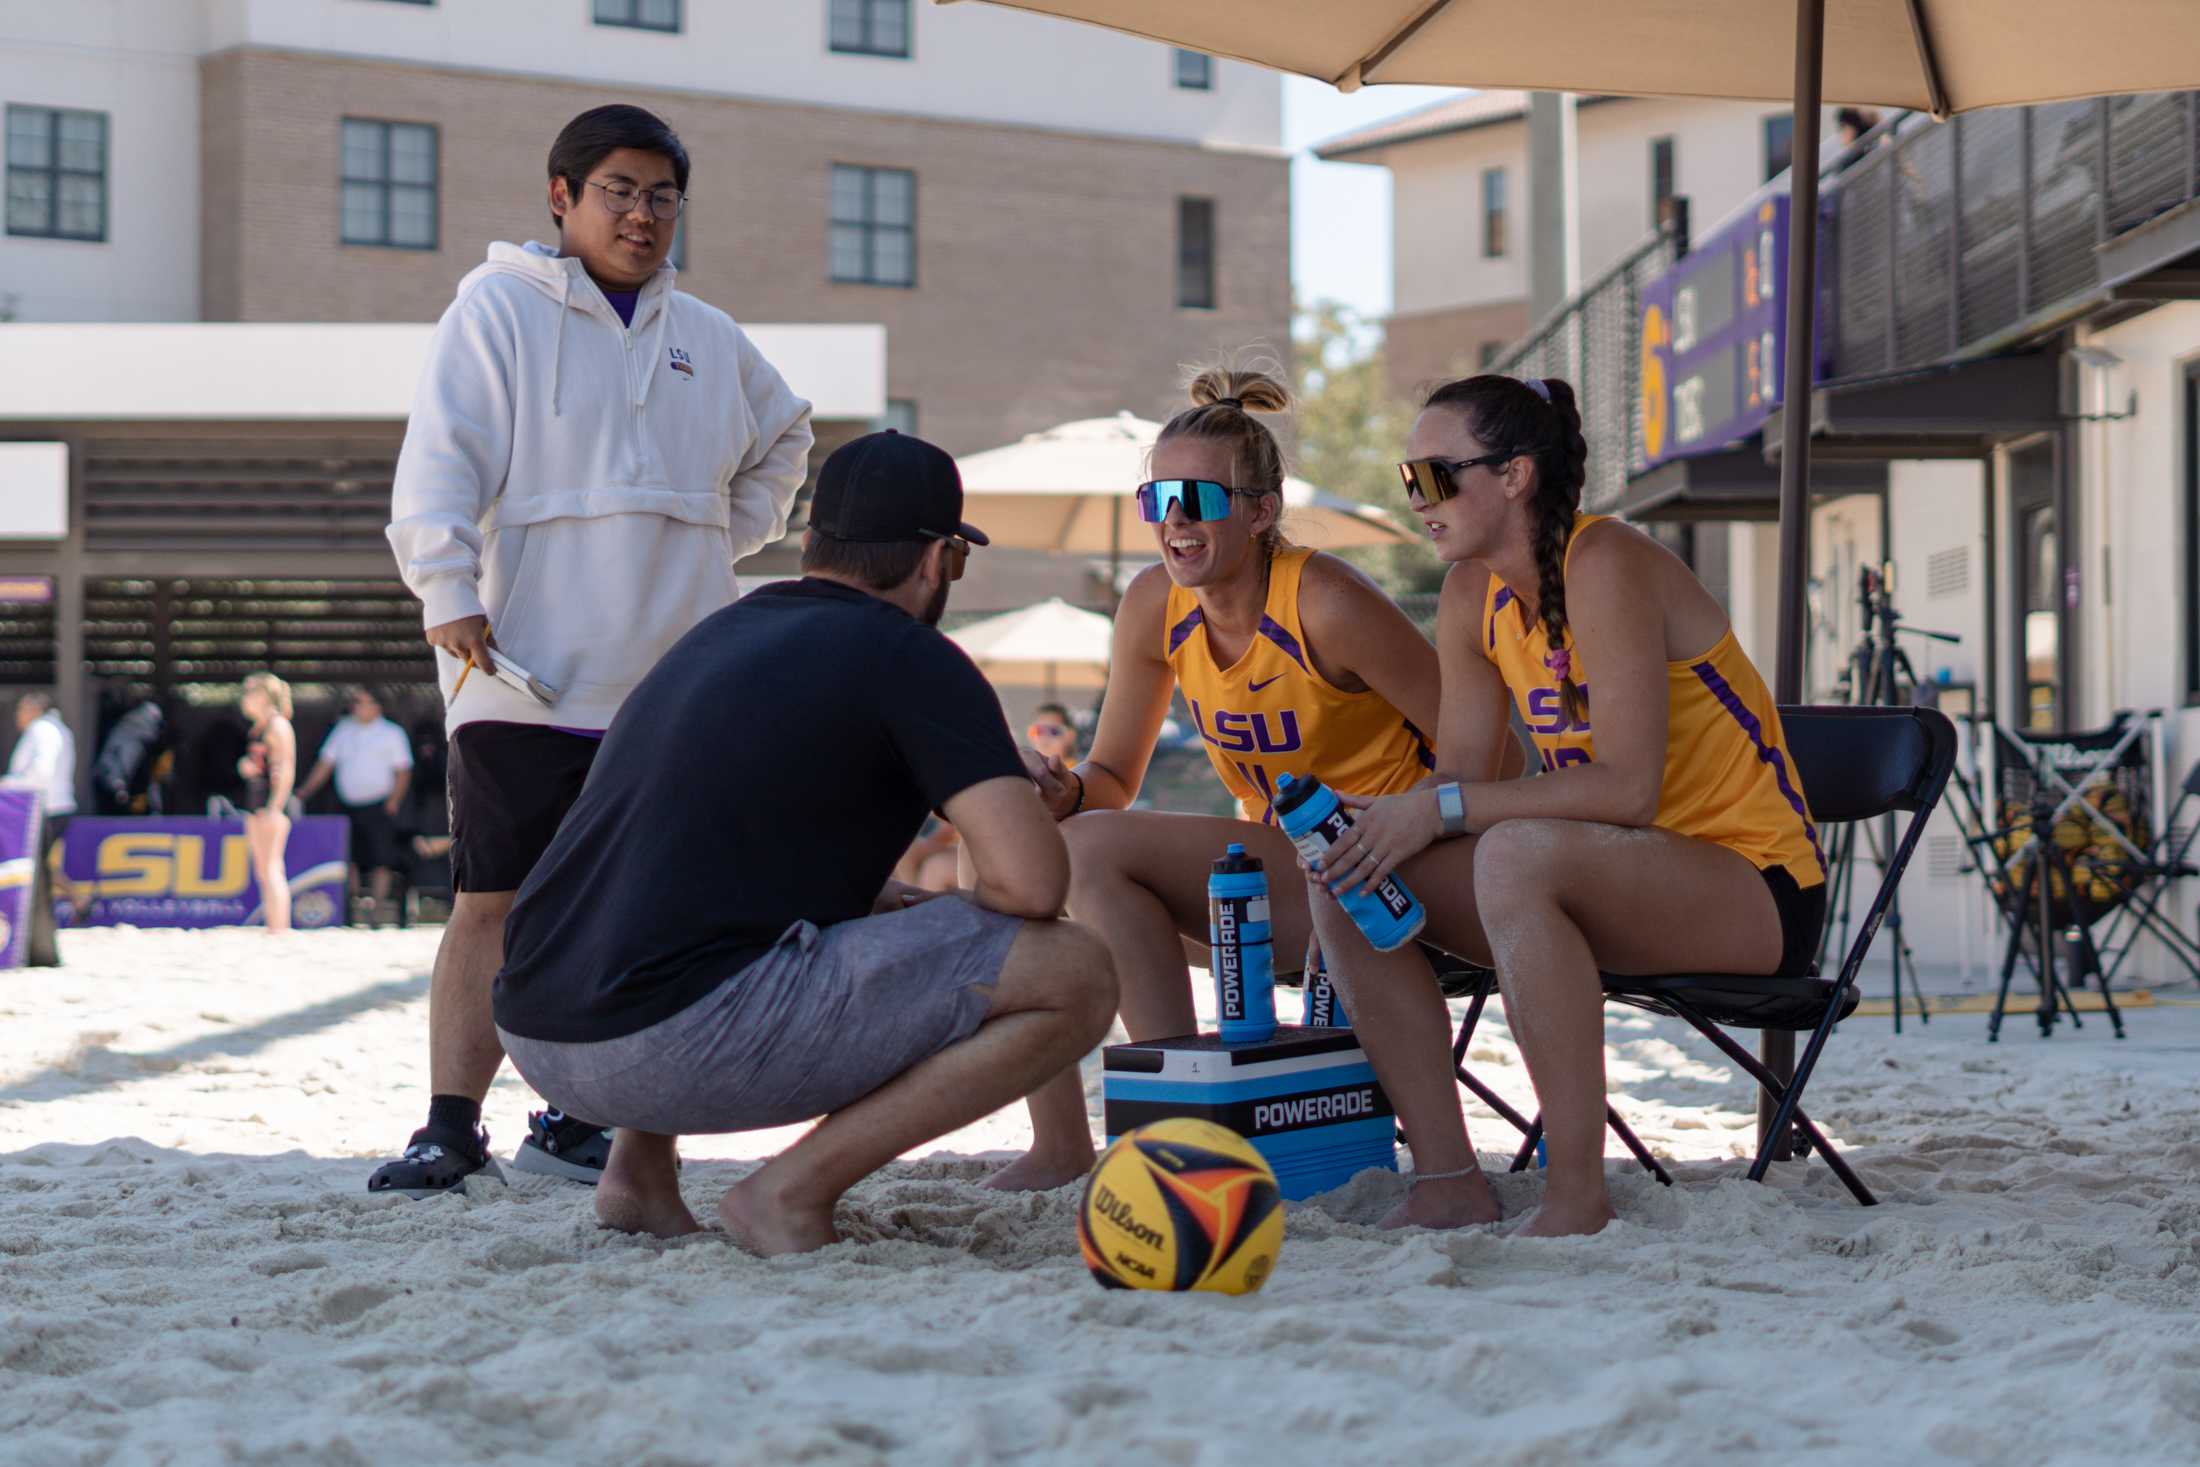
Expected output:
(1306, 1098)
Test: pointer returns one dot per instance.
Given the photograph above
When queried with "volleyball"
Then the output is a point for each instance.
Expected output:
(1181, 1204)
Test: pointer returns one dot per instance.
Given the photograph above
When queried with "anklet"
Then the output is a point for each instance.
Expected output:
(1465, 1171)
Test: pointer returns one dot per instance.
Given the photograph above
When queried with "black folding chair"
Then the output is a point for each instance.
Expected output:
(1854, 764)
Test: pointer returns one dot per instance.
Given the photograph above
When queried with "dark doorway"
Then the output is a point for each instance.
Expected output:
(2043, 589)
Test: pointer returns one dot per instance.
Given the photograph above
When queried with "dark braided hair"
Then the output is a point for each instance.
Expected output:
(1507, 413)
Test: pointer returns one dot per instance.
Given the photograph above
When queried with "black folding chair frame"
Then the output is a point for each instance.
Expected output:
(1922, 742)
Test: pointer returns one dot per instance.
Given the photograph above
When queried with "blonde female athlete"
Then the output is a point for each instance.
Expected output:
(270, 768)
(1667, 833)
(1290, 662)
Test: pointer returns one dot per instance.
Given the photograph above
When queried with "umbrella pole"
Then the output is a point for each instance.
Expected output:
(1777, 1049)
(1115, 557)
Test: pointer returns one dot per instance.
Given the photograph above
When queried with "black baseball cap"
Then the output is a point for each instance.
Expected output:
(889, 486)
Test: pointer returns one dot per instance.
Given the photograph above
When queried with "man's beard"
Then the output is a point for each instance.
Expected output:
(937, 606)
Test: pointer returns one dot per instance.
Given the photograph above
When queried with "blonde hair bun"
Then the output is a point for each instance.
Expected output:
(1255, 389)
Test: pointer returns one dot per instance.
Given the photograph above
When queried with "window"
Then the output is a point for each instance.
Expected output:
(1195, 253)
(641, 15)
(1661, 180)
(1493, 213)
(874, 226)
(1195, 71)
(1486, 355)
(389, 184)
(57, 173)
(870, 27)
(1779, 144)
(900, 415)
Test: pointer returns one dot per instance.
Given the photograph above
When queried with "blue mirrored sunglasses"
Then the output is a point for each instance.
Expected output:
(1201, 499)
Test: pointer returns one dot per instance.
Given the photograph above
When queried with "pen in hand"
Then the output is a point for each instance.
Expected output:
(460, 685)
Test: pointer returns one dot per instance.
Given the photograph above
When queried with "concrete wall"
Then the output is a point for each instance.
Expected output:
(134, 60)
(1046, 261)
(1428, 347)
(971, 61)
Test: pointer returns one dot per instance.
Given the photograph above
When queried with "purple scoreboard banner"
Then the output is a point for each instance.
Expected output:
(18, 858)
(191, 871)
(1714, 334)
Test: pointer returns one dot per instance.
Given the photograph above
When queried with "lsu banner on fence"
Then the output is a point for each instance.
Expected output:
(18, 861)
(170, 871)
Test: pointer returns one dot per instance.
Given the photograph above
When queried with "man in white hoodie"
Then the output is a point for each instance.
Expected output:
(589, 453)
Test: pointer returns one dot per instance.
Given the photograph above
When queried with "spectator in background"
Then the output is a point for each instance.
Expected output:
(270, 768)
(122, 776)
(45, 758)
(372, 762)
(1053, 732)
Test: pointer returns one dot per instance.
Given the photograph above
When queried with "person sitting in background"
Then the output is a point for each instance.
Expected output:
(1052, 733)
(724, 950)
(372, 762)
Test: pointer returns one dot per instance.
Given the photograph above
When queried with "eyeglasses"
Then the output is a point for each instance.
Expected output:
(958, 552)
(1200, 499)
(1431, 478)
(619, 198)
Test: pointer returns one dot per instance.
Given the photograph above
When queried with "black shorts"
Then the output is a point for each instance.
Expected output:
(374, 841)
(511, 783)
(1802, 921)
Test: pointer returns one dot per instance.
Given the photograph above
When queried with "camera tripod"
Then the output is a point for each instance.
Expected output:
(1878, 674)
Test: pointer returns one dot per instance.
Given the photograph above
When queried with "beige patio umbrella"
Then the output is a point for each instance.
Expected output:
(1937, 56)
(1053, 644)
(1071, 488)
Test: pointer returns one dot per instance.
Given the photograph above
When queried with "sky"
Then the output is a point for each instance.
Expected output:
(1340, 212)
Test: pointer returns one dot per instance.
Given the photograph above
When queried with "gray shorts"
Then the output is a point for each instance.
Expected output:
(824, 1018)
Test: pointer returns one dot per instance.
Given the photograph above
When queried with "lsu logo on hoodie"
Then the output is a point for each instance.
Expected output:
(682, 362)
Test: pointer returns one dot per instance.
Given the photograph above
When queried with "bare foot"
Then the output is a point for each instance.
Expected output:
(767, 1225)
(1559, 1218)
(1453, 1202)
(658, 1211)
(1033, 1172)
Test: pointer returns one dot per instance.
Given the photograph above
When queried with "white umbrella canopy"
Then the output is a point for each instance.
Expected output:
(1939, 56)
(1052, 644)
(1070, 488)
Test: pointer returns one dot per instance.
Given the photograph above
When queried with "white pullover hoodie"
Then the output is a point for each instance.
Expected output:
(586, 485)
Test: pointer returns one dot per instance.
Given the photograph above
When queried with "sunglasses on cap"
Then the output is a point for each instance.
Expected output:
(1431, 478)
(1047, 730)
(958, 552)
(1200, 499)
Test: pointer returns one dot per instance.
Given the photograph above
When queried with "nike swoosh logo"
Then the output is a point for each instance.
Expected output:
(1264, 682)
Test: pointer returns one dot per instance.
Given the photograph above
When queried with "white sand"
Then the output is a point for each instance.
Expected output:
(190, 1270)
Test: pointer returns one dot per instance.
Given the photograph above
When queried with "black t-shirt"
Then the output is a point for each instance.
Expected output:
(771, 769)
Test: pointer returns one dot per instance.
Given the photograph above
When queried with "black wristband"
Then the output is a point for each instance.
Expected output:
(1080, 805)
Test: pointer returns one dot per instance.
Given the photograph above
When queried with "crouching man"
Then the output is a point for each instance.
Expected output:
(712, 942)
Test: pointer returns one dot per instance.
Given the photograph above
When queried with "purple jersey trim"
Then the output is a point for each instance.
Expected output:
(579, 733)
(1504, 599)
(1184, 629)
(1732, 703)
(1275, 633)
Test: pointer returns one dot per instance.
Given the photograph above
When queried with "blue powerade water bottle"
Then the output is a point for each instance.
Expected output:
(1310, 814)
(1243, 953)
(1324, 1004)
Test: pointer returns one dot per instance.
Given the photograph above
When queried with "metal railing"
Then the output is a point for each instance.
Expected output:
(1594, 341)
(1957, 239)
(1943, 241)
